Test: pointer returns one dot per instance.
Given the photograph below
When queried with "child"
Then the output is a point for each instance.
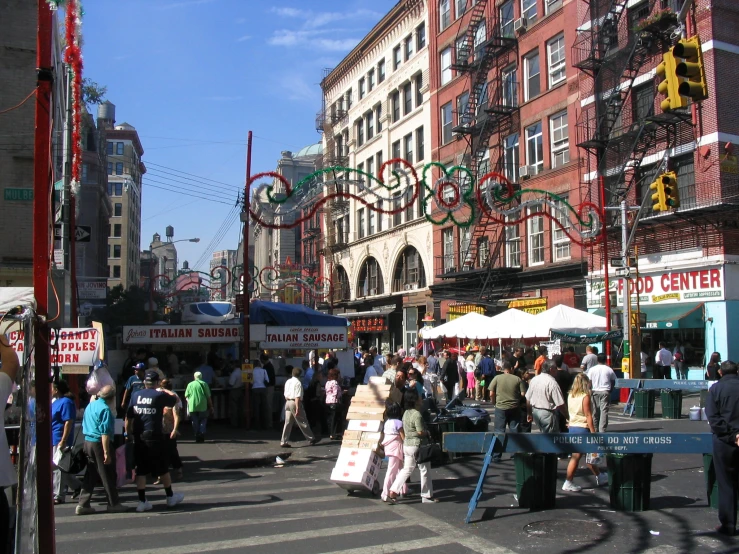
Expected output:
(470, 367)
(393, 445)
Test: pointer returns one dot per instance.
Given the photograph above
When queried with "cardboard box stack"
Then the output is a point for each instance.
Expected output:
(358, 465)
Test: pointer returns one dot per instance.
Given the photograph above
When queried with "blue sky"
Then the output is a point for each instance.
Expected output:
(193, 76)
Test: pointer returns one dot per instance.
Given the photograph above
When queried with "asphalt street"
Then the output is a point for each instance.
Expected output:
(232, 506)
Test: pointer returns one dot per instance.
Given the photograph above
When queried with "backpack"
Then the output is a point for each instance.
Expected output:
(678, 357)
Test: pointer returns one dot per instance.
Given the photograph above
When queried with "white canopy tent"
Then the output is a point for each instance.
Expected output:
(568, 320)
(512, 324)
(469, 326)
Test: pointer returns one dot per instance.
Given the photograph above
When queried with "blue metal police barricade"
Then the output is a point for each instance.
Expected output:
(674, 404)
(565, 443)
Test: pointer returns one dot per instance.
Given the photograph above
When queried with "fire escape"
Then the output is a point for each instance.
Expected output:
(618, 128)
(485, 46)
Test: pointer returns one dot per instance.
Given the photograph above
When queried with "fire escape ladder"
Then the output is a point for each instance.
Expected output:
(598, 35)
(492, 278)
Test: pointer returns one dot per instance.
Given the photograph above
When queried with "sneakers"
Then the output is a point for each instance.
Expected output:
(601, 479)
(144, 507)
(175, 499)
(117, 509)
(571, 487)
(84, 510)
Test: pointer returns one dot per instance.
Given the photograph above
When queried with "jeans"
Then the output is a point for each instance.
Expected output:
(199, 421)
(601, 403)
(335, 423)
(503, 418)
(409, 464)
(96, 468)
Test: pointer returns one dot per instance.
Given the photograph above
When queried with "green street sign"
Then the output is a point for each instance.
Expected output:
(19, 195)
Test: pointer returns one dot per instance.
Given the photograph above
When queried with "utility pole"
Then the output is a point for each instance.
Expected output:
(42, 240)
(626, 280)
(244, 289)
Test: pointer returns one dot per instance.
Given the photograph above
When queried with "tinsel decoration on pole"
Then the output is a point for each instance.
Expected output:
(73, 59)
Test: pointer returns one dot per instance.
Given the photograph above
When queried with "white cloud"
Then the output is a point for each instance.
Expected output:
(242, 39)
(183, 4)
(298, 89)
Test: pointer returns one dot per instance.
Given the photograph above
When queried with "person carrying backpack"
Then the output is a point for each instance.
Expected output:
(487, 368)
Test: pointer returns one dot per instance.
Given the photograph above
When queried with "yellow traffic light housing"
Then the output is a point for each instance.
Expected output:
(689, 68)
(658, 197)
(670, 189)
(669, 84)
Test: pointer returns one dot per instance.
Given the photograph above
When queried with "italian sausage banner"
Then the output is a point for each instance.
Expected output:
(304, 337)
(172, 334)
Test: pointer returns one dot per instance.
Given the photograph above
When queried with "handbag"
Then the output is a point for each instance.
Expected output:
(428, 453)
(63, 460)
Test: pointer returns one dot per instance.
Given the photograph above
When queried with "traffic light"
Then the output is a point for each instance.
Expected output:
(671, 192)
(689, 68)
(660, 203)
(670, 83)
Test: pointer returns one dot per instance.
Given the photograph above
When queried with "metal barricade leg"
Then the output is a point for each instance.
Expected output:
(483, 473)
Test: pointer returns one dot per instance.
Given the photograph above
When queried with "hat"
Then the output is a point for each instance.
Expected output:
(151, 375)
(140, 365)
(198, 375)
(153, 362)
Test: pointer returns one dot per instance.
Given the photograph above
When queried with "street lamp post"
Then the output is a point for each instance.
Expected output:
(151, 277)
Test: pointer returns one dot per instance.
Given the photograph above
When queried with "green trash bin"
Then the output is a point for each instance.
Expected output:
(536, 480)
(644, 403)
(629, 481)
(672, 404)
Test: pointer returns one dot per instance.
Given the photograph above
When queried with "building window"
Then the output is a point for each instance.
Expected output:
(370, 279)
(378, 117)
(110, 165)
(481, 35)
(408, 147)
(465, 239)
(395, 103)
(536, 236)
(510, 87)
(397, 213)
(116, 272)
(560, 139)
(445, 17)
(360, 132)
(461, 6)
(118, 209)
(446, 66)
(534, 148)
(409, 272)
(506, 19)
(408, 47)
(370, 80)
(396, 57)
(419, 87)
(119, 149)
(447, 244)
(116, 250)
(512, 244)
(560, 240)
(553, 5)
(362, 178)
(420, 37)
(378, 164)
(511, 158)
(109, 148)
(531, 70)
(380, 215)
(528, 10)
(360, 223)
(483, 251)
(446, 123)
(117, 230)
(371, 222)
(361, 88)
(396, 153)
(556, 53)
(348, 99)
(369, 120)
(419, 145)
(119, 168)
(643, 101)
(370, 170)
(381, 70)
(407, 99)
(463, 118)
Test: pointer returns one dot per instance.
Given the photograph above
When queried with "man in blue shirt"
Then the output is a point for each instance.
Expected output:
(63, 415)
(487, 367)
(208, 372)
(134, 384)
(98, 425)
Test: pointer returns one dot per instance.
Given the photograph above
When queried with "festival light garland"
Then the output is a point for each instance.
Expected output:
(73, 59)
(455, 197)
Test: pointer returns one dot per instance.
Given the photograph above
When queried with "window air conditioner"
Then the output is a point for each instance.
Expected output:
(407, 286)
(519, 25)
(524, 172)
(372, 292)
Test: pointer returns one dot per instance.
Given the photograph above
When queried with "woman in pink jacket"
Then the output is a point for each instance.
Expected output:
(393, 445)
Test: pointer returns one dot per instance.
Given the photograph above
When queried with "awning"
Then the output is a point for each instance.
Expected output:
(277, 313)
(586, 338)
(688, 315)
(376, 313)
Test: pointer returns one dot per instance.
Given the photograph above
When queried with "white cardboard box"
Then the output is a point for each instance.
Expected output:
(364, 425)
(356, 458)
(362, 479)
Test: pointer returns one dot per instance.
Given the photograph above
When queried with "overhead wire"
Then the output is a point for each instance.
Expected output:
(200, 178)
(218, 237)
(192, 182)
(190, 188)
(189, 194)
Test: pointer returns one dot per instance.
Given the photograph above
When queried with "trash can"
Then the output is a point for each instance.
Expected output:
(629, 481)
(536, 480)
(644, 403)
(672, 403)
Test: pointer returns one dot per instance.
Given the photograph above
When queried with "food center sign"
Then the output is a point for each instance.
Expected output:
(666, 287)
(183, 334)
(300, 338)
(73, 346)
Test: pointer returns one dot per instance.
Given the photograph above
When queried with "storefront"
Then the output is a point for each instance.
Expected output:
(686, 297)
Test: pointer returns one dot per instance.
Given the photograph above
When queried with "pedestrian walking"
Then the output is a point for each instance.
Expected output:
(589, 359)
(63, 416)
(392, 443)
(199, 405)
(713, 366)
(259, 397)
(722, 409)
(540, 359)
(134, 384)
(98, 426)
(662, 362)
(416, 435)
(602, 379)
(270, 369)
(235, 397)
(170, 429)
(144, 426)
(333, 404)
(581, 422)
(207, 373)
(469, 366)
(487, 369)
(433, 363)
(544, 400)
(524, 425)
(294, 409)
(506, 392)
(519, 362)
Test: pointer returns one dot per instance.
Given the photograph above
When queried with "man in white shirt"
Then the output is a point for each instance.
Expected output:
(259, 396)
(544, 401)
(644, 357)
(589, 359)
(602, 378)
(235, 397)
(663, 363)
(8, 476)
(294, 411)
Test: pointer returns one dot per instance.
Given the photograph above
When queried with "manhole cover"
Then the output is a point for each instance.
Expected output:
(578, 530)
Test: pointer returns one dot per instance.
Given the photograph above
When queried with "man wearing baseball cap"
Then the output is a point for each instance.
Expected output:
(144, 426)
(134, 384)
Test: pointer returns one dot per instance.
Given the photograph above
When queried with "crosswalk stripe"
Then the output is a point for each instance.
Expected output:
(396, 546)
(169, 529)
(246, 494)
(259, 541)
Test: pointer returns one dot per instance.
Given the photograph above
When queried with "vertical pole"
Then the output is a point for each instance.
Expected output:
(73, 257)
(636, 342)
(626, 283)
(42, 179)
(606, 280)
(151, 287)
(247, 304)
